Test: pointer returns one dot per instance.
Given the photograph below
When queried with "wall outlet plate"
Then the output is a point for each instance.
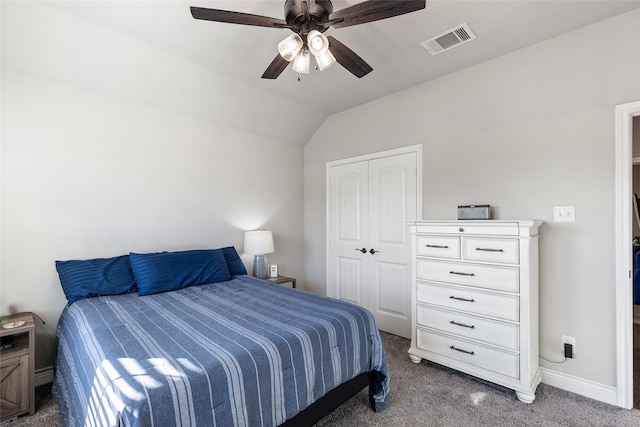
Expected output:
(568, 340)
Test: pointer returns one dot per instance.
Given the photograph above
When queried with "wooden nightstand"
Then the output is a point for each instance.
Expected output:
(282, 279)
(17, 390)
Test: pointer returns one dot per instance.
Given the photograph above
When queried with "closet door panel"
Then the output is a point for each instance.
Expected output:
(392, 202)
(348, 232)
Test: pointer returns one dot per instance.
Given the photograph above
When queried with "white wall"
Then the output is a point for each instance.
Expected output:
(88, 171)
(524, 132)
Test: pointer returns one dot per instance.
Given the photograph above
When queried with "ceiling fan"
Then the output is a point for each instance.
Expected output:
(308, 19)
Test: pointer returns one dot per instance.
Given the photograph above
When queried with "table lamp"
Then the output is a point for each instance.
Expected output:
(258, 243)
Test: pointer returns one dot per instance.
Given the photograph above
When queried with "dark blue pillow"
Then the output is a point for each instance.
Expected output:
(95, 277)
(168, 271)
(234, 263)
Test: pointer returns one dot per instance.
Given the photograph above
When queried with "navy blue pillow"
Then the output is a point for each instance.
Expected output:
(234, 263)
(95, 277)
(168, 271)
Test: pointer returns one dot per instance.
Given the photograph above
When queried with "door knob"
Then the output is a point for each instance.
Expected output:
(363, 250)
(373, 251)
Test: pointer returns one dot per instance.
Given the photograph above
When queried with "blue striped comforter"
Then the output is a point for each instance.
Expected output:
(244, 353)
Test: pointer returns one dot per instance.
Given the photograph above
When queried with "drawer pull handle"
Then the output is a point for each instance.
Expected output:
(462, 351)
(438, 246)
(462, 299)
(462, 324)
(489, 250)
(461, 274)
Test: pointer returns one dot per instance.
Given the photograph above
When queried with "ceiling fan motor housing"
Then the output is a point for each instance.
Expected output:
(318, 13)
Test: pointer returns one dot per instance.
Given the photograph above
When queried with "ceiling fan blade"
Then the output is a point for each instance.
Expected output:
(348, 58)
(276, 67)
(374, 10)
(229, 17)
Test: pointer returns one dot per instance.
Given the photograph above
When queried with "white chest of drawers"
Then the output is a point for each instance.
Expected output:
(475, 299)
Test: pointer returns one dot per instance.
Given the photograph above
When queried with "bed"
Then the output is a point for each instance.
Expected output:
(237, 351)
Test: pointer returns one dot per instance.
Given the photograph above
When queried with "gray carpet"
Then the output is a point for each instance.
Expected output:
(432, 395)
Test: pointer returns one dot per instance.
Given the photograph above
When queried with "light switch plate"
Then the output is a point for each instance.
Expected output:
(564, 213)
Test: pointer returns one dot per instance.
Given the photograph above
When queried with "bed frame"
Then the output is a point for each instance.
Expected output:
(330, 401)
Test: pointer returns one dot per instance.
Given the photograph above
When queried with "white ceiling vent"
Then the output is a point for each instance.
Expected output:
(449, 39)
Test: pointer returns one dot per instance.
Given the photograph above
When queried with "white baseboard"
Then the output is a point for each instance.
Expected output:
(43, 376)
(587, 388)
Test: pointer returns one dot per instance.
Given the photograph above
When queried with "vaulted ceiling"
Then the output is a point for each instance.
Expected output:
(290, 109)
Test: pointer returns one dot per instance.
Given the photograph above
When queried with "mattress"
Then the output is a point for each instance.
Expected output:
(243, 352)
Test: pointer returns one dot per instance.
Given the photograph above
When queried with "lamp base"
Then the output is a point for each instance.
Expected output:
(259, 267)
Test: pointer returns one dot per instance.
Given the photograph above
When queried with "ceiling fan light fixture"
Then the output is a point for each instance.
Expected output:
(325, 60)
(317, 43)
(308, 20)
(302, 62)
(290, 47)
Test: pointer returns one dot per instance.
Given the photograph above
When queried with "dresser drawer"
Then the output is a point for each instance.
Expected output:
(491, 228)
(502, 362)
(471, 301)
(497, 333)
(438, 246)
(482, 276)
(490, 250)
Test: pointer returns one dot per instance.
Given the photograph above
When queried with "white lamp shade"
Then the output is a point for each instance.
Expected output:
(325, 60)
(258, 242)
(302, 62)
(317, 42)
(290, 47)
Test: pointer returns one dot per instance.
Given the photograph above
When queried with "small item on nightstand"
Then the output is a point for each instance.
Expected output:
(273, 270)
(13, 325)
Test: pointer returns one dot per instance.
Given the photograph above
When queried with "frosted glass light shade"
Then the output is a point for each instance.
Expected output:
(302, 62)
(258, 242)
(325, 60)
(290, 47)
(317, 43)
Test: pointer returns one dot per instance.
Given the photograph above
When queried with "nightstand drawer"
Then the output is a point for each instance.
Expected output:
(501, 306)
(496, 333)
(482, 276)
(438, 246)
(490, 250)
(492, 359)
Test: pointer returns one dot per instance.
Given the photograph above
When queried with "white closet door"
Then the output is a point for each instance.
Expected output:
(392, 202)
(348, 234)
(370, 203)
